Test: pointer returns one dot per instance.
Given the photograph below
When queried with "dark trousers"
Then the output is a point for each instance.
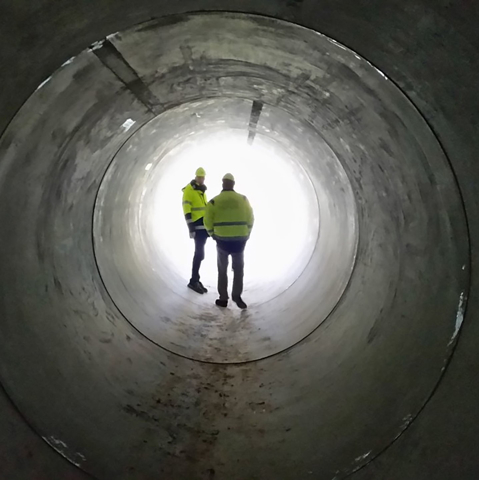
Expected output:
(237, 254)
(200, 242)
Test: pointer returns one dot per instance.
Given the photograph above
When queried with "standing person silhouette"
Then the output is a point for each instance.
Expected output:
(229, 221)
(194, 207)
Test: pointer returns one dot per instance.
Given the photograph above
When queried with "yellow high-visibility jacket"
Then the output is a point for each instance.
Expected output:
(194, 205)
(229, 217)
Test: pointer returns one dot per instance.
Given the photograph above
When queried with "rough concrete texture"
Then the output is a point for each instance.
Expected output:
(228, 67)
(379, 387)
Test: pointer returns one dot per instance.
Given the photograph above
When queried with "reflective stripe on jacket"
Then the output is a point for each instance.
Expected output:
(229, 217)
(194, 205)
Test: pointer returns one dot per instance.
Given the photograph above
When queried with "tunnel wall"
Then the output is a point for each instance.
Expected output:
(332, 252)
(442, 33)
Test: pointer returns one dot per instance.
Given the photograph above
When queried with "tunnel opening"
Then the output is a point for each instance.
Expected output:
(380, 184)
(144, 256)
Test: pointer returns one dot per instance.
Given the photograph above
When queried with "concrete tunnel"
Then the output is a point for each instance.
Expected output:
(358, 360)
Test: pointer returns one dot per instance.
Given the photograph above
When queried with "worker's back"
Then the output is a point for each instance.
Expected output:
(229, 216)
(229, 220)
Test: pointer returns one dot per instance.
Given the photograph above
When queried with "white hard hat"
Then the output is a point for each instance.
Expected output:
(229, 176)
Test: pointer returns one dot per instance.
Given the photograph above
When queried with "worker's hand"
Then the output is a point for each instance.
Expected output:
(192, 234)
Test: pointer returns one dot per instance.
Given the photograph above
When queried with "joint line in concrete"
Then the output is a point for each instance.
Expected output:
(114, 61)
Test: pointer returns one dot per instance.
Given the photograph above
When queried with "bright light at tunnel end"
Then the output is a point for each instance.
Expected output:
(273, 182)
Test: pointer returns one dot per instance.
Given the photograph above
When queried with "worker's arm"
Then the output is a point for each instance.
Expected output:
(187, 203)
(250, 216)
(209, 218)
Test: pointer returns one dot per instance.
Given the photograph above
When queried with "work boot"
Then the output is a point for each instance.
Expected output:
(205, 290)
(196, 287)
(221, 303)
(240, 303)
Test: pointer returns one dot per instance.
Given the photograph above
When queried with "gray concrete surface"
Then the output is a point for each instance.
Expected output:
(120, 407)
(142, 283)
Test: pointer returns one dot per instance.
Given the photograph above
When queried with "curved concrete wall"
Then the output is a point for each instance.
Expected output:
(146, 289)
(84, 378)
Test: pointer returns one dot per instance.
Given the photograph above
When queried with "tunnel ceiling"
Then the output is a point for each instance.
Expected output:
(392, 332)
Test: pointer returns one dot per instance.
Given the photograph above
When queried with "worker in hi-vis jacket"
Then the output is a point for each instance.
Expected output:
(229, 220)
(194, 206)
